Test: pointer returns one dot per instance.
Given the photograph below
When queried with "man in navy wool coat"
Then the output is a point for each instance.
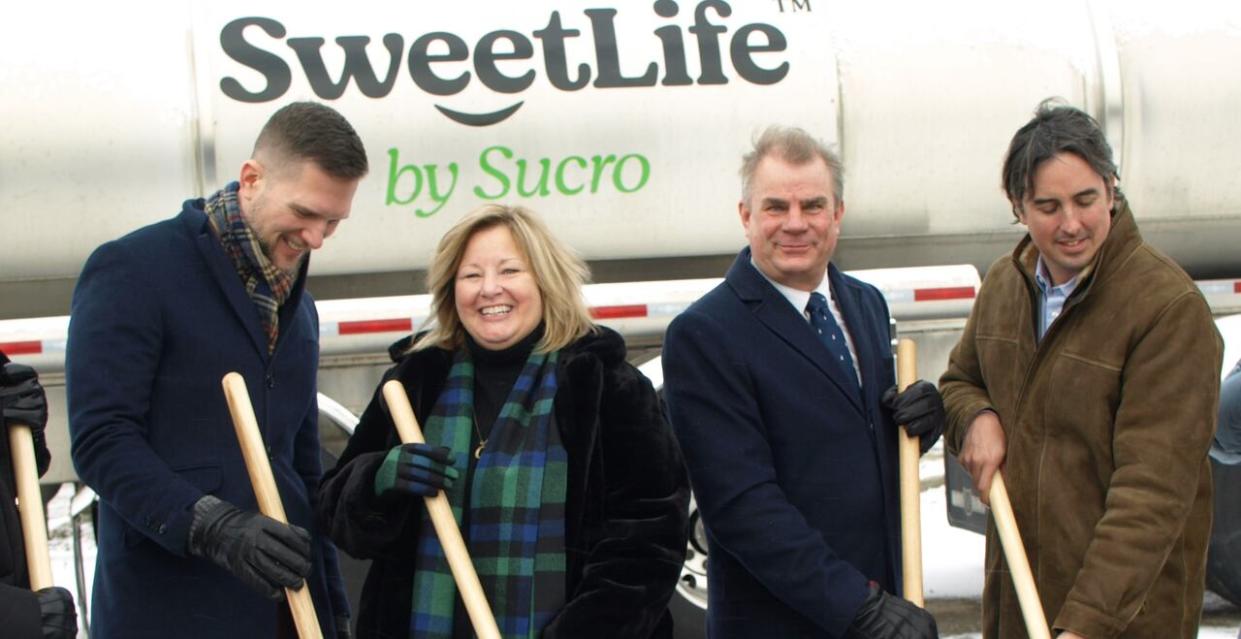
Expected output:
(780, 387)
(159, 316)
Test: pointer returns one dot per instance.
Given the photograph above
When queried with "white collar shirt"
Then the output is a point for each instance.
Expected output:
(1051, 298)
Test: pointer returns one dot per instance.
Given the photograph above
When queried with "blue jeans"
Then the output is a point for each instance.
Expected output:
(1227, 446)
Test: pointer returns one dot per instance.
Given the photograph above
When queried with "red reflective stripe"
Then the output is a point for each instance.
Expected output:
(21, 348)
(618, 312)
(949, 293)
(404, 325)
(1236, 286)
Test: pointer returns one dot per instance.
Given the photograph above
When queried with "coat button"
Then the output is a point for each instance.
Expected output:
(271, 381)
(162, 529)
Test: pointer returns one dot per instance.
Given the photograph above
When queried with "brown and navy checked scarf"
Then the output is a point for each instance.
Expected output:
(267, 285)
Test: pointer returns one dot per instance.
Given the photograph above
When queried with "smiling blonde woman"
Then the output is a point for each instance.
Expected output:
(566, 480)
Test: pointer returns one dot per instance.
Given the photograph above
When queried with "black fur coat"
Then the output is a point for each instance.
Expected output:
(627, 504)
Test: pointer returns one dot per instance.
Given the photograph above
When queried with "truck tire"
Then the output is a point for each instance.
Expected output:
(689, 602)
(688, 620)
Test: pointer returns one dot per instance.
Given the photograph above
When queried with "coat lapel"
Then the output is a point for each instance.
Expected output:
(226, 277)
(774, 311)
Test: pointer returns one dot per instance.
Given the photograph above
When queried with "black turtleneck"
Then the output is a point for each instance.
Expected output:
(495, 372)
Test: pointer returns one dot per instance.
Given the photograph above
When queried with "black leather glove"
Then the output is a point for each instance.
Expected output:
(264, 553)
(919, 409)
(59, 617)
(883, 616)
(415, 469)
(22, 401)
(22, 398)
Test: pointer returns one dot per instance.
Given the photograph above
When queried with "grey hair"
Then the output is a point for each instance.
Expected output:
(795, 146)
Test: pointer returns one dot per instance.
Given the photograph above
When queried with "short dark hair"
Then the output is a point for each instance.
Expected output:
(795, 146)
(316, 132)
(1056, 128)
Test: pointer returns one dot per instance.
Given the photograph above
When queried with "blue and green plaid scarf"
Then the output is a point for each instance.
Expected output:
(517, 505)
(267, 285)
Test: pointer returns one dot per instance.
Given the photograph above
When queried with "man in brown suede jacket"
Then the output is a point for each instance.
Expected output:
(1088, 372)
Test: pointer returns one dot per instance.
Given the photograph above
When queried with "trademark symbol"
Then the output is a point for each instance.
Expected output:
(793, 5)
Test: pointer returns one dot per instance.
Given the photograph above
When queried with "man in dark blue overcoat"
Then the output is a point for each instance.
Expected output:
(159, 316)
(780, 387)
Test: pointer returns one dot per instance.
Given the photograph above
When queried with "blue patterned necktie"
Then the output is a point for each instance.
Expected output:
(829, 333)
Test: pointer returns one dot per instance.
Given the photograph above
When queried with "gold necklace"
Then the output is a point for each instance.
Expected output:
(482, 441)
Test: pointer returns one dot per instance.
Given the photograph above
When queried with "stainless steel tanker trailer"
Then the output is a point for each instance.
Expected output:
(623, 125)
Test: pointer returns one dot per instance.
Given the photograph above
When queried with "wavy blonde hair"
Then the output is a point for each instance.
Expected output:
(557, 269)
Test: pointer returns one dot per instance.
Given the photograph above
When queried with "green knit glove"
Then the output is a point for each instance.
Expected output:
(415, 469)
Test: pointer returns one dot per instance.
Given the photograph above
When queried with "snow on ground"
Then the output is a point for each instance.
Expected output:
(952, 558)
(61, 547)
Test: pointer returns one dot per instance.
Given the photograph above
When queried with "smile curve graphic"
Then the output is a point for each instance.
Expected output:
(480, 119)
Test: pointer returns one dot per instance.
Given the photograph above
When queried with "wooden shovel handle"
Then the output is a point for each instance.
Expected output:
(30, 502)
(445, 524)
(911, 484)
(1018, 564)
(259, 468)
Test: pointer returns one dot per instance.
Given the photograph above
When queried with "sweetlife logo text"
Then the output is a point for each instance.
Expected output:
(751, 52)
